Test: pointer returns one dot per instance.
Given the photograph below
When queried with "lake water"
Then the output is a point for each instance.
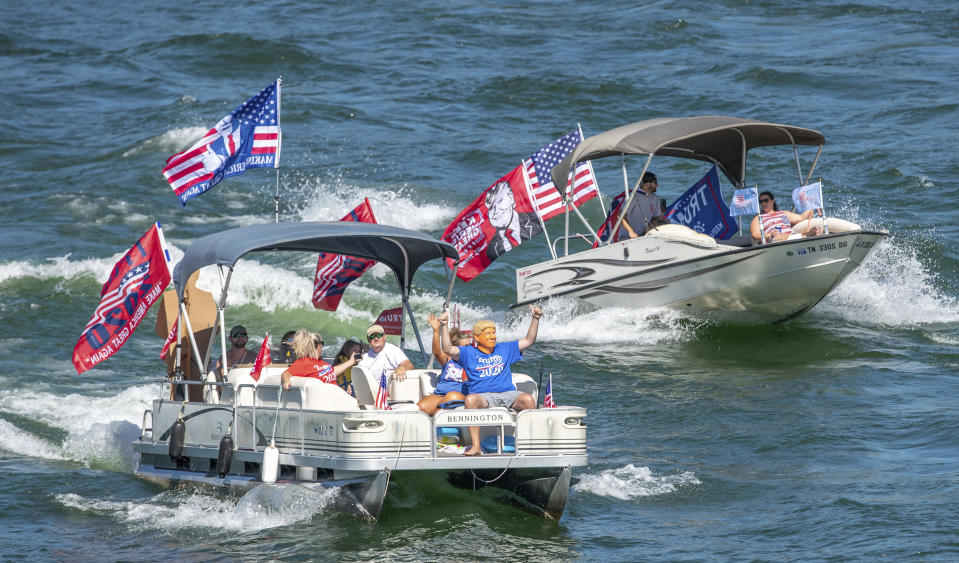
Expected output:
(833, 437)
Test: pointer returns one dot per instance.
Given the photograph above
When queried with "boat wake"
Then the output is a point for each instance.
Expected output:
(99, 430)
(172, 511)
(631, 482)
(893, 287)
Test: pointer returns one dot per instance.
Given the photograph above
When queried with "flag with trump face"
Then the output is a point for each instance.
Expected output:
(249, 137)
(135, 283)
(334, 272)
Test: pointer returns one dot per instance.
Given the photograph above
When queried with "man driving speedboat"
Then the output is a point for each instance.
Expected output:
(645, 211)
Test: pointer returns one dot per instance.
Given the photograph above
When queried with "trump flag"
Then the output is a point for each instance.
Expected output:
(500, 219)
(334, 272)
(135, 283)
(703, 209)
(247, 138)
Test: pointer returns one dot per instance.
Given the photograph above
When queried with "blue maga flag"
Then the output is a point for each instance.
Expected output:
(745, 202)
(808, 197)
(703, 209)
(247, 138)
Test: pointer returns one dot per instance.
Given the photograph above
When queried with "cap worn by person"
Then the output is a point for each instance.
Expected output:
(288, 337)
(480, 326)
(237, 331)
(374, 329)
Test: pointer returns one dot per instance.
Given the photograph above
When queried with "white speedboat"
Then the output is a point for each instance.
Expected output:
(674, 266)
(326, 438)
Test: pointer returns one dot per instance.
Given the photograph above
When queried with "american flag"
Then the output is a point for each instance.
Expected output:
(247, 138)
(262, 358)
(546, 198)
(381, 402)
(334, 272)
(548, 402)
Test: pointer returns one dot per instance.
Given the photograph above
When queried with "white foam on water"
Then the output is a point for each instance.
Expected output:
(951, 340)
(173, 512)
(562, 322)
(100, 429)
(891, 288)
(632, 482)
(16, 440)
(331, 200)
(172, 141)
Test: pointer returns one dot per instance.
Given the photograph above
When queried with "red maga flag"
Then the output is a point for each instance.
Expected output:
(391, 320)
(335, 271)
(137, 280)
(500, 219)
(262, 358)
(170, 338)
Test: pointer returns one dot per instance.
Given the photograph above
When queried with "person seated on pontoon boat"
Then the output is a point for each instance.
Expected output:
(487, 366)
(308, 347)
(645, 212)
(384, 357)
(778, 225)
(347, 350)
(237, 354)
(451, 383)
(285, 354)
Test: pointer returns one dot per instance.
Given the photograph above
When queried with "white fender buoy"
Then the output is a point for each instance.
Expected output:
(271, 464)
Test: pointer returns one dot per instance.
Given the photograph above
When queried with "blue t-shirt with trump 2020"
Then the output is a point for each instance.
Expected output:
(490, 373)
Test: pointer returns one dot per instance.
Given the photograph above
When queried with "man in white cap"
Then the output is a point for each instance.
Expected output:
(383, 357)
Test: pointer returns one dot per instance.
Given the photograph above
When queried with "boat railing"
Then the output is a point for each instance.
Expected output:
(573, 236)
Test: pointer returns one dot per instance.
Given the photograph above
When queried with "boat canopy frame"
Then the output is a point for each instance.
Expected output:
(403, 251)
(721, 140)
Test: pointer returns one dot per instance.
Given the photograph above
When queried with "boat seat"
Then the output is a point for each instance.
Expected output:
(428, 381)
(365, 389)
(324, 396)
(525, 384)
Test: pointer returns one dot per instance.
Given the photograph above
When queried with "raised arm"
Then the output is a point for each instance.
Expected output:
(340, 368)
(530, 338)
(441, 356)
(447, 344)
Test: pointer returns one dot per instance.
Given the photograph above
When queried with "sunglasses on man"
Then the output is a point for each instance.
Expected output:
(374, 336)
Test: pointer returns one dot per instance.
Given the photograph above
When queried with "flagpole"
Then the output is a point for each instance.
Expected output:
(279, 145)
(529, 194)
(592, 173)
